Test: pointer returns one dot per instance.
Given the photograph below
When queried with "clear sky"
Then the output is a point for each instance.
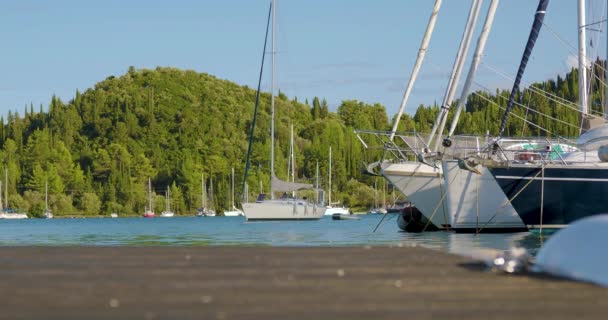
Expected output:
(336, 49)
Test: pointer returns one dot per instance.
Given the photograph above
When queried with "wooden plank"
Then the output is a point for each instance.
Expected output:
(276, 283)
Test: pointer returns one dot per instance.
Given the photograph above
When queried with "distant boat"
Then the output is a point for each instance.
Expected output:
(114, 215)
(377, 209)
(204, 211)
(331, 210)
(48, 214)
(6, 212)
(235, 212)
(149, 213)
(167, 213)
(287, 208)
(339, 216)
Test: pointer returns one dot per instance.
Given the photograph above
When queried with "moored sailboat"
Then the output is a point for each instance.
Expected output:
(149, 211)
(167, 213)
(204, 210)
(5, 211)
(284, 208)
(47, 214)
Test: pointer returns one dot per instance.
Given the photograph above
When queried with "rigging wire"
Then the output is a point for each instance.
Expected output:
(520, 118)
(552, 97)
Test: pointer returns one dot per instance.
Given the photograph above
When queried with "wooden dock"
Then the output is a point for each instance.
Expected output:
(276, 283)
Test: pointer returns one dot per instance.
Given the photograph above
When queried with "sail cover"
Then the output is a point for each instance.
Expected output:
(284, 186)
(538, 22)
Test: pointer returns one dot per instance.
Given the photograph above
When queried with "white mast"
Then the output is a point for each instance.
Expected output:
(329, 179)
(150, 194)
(463, 48)
(316, 185)
(203, 190)
(481, 43)
(46, 196)
(274, 9)
(232, 191)
(6, 188)
(1, 208)
(293, 162)
(421, 53)
(167, 199)
(582, 59)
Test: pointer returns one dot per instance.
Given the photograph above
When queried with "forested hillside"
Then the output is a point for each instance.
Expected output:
(98, 150)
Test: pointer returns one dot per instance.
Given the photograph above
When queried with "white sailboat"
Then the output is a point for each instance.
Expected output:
(285, 208)
(167, 213)
(204, 211)
(149, 212)
(48, 214)
(331, 210)
(234, 212)
(6, 212)
(378, 209)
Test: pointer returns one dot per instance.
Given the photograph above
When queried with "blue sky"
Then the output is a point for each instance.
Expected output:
(336, 49)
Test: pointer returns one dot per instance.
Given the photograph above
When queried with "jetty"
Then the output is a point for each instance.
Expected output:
(277, 283)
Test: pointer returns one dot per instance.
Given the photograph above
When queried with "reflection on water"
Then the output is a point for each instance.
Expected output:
(219, 231)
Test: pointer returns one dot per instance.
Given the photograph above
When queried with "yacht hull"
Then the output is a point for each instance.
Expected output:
(13, 216)
(282, 210)
(570, 192)
(423, 186)
(476, 203)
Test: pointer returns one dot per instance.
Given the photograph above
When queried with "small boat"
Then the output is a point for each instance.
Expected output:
(340, 216)
(113, 215)
(149, 213)
(48, 214)
(167, 213)
(235, 212)
(6, 212)
(205, 211)
(331, 210)
(398, 206)
(377, 211)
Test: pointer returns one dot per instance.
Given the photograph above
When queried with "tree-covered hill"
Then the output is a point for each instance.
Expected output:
(98, 150)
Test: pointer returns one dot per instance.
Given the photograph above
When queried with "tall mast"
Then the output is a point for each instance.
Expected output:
(1, 196)
(6, 187)
(316, 185)
(293, 162)
(463, 48)
(150, 194)
(232, 187)
(46, 196)
(274, 9)
(168, 199)
(421, 53)
(536, 25)
(203, 190)
(481, 43)
(582, 59)
(329, 179)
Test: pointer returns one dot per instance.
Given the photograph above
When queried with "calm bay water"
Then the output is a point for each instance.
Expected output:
(219, 231)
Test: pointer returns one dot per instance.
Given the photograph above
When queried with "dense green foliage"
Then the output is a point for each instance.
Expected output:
(97, 151)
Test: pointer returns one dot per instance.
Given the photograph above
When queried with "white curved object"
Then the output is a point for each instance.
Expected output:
(578, 252)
